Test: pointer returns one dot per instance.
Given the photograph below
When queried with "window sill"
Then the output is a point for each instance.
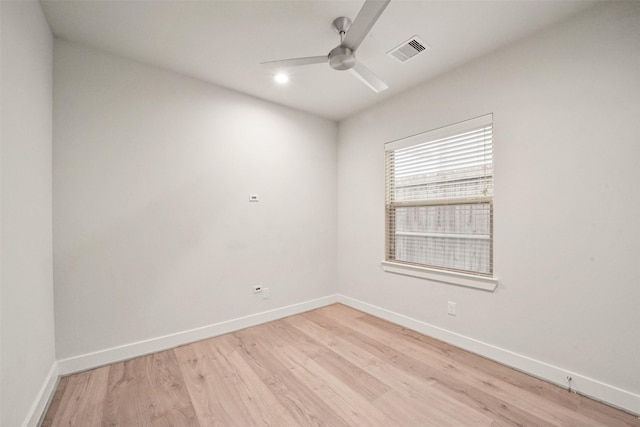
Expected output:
(449, 277)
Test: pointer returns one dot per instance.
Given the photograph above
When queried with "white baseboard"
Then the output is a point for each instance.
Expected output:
(141, 348)
(36, 412)
(595, 389)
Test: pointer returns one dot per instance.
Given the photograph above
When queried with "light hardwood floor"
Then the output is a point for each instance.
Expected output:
(334, 366)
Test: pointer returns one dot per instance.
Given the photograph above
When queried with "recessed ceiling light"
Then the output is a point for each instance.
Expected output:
(281, 78)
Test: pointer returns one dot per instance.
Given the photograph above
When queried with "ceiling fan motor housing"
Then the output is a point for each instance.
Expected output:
(342, 58)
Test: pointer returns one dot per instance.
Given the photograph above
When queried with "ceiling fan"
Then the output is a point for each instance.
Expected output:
(343, 56)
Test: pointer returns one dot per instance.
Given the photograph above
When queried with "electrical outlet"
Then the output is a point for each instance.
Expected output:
(257, 289)
(451, 308)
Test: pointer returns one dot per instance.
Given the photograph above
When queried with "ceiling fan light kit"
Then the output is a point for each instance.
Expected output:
(343, 56)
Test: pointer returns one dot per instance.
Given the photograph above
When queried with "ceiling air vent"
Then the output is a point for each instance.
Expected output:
(409, 49)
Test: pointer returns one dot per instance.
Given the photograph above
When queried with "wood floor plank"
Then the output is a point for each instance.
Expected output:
(149, 391)
(213, 402)
(302, 403)
(282, 334)
(355, 377)
(83, 400)
(121, 404)
(406, 412)
(334, 366)
(257, 404)
(170, 397)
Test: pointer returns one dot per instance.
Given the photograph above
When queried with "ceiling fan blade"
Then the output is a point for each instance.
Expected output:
(367, 17)
(296, 62)
(367, 77)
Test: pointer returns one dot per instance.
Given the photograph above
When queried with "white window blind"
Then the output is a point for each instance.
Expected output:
(439, 198)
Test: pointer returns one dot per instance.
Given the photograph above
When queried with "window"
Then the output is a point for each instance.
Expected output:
(439, 199)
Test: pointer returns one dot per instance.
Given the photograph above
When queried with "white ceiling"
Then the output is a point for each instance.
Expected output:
(223, 42)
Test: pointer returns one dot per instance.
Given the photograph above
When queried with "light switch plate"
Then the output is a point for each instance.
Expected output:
(451, 308)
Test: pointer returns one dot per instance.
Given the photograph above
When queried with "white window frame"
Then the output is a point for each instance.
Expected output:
(485, 281)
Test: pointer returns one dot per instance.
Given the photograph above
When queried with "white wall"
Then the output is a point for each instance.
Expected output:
(567, 200)
(154, 233)
(26, 308)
